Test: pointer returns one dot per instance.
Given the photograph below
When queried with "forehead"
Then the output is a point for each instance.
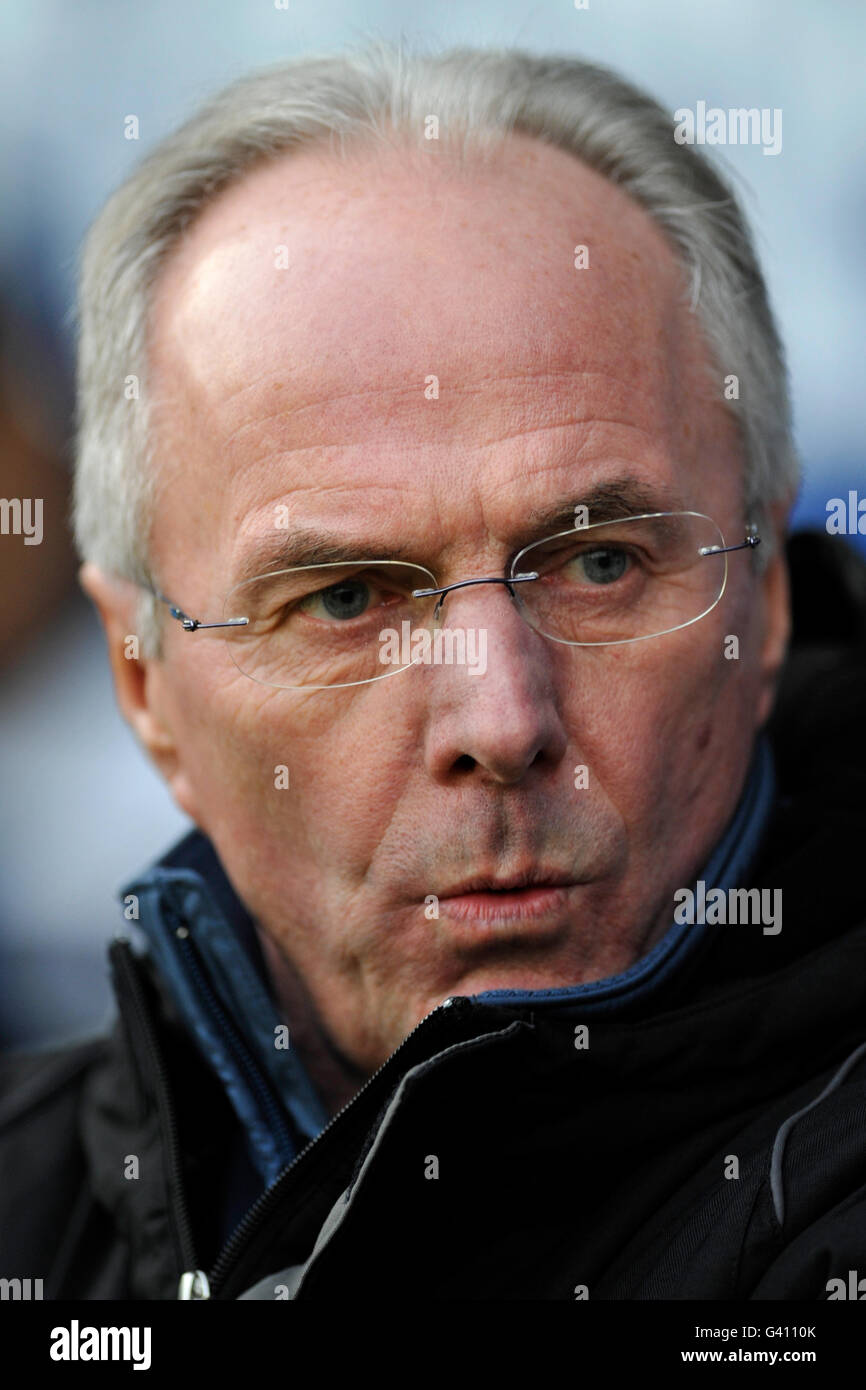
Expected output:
(307, 245)
(395, 322)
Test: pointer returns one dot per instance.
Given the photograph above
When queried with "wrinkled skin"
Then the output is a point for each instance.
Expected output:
(305, 386)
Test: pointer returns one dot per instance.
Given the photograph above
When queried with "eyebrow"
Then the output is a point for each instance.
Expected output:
(306, 545)
(310, 546)
(606, 502)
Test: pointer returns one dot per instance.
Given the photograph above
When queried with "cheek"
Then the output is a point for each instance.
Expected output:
(648, 718)
(322, 769)
(720, 726)
(704, 736)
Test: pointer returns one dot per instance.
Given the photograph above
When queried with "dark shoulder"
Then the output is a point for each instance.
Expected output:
(46, 1200)
(35, 1083)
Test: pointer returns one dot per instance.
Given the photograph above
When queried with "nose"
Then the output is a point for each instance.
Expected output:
(502, 721)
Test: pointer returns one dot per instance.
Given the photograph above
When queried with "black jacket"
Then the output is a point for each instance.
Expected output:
(709, 1145)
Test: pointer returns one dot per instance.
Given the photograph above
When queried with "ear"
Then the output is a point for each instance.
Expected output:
(776, 594)
(139, 682)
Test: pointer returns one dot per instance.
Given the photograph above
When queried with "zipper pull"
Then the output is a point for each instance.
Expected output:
(193, 1284)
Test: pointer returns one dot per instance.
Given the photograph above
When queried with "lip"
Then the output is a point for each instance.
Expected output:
(532, 902)
(535, 877)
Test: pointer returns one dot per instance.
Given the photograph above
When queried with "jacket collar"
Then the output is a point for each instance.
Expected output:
(204, 943)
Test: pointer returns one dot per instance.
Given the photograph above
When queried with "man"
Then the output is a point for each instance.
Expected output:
(432, 489)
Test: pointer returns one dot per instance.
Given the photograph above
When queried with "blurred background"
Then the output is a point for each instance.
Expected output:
(80, 809)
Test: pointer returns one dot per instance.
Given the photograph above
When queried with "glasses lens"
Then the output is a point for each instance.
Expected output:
(622, 580)
(327, 624)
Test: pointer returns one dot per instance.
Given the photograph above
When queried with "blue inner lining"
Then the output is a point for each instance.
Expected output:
(227, 1001)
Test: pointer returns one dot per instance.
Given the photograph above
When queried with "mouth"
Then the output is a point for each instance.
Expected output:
(537, 900)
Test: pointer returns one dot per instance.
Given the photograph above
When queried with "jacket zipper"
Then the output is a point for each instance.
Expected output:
(129, 985)
(261, 1209)
(194, 1283)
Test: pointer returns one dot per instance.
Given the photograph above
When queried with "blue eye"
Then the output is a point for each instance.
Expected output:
(347, 599)
(603, 566)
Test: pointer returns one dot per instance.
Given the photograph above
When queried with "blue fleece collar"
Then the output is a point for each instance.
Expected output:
(207, 951)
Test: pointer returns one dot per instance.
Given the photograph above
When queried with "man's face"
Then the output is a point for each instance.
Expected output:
(305, 386)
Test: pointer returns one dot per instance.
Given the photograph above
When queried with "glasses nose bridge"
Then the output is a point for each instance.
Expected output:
(508, 581)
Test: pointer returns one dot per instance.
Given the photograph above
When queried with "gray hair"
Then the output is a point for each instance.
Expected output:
(368, 94)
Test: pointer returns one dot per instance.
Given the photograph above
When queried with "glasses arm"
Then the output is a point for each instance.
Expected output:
(192, 624)
(752, 539)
